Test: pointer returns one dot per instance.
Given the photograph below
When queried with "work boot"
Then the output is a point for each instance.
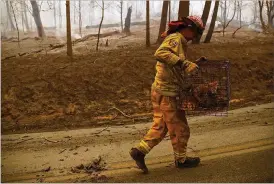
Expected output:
(139, 158)
(189, 162)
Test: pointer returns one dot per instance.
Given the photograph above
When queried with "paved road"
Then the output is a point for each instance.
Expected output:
(248, 168)
(244, 132)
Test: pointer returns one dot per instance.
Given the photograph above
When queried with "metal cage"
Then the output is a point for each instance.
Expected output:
(209, 90)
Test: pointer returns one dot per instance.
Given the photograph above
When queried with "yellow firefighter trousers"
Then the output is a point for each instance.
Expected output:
(167, 118)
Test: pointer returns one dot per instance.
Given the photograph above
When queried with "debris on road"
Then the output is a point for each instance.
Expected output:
(24, 140)
(62, 151)
(96, 165)
(50, 140)
(74, 148)
(101, 131)
(46, 169)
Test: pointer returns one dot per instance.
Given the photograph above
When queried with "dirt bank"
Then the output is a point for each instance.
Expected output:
(42, 92)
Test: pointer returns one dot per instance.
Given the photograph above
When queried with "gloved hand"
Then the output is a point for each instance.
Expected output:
(189, 67)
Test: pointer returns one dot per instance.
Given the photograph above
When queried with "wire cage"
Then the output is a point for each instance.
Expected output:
(208, 91)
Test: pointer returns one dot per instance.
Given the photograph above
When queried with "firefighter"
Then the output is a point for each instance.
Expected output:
(165, 93)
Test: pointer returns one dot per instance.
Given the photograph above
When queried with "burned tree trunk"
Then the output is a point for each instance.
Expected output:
(204, 18)
(270, 13)
(60, 15)
(22, 17)
(240, 4)
(163, 21)
(103, 12)
(74, 12)
(54, 13)
(9, 15)
(26, 17)
(15, 24)
(261, 5)
(147, 25)
(121, 14)
(212, 24)
(227, 22)
(37, 19)
(69, 44)
(80, 18)
(183, 9)
(128, 20)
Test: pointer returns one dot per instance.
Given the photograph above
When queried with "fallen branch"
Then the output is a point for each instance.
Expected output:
(62, 151)
(37, 51)
(218, 31)
(119, 111)
(83, 39)
(101, 130)
(94, 35)
(115, 25)
(22, 54)
(50, 140)
(25, 38)
(56, 46)
(24, 140)
(8, 57)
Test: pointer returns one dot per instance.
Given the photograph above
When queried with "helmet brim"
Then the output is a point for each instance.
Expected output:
(191, 22)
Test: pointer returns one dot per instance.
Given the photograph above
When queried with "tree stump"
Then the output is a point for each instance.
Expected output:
(128, 20)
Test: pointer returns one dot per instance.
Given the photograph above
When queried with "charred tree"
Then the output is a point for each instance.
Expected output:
(121, 14)
(69, 43)
(26, 17)
(22, 17)
(261, 5)
(255, 11)
(183, 9)
(163, 21)
(270, 13)
(240, 4)
(120, 6)
(37, 19)
(128, 20)
(102, 18)
(15, 23)
(74, 12)
(147, 25)
(204, 18)
(80, 18)
(226, 22)
(60, 14)
(212, 24)
(54, 13)
(9, 15)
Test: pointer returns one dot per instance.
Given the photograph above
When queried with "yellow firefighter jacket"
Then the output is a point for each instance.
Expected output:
(168, 54)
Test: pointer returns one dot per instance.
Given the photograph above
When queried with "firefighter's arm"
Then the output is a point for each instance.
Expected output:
(166, 52)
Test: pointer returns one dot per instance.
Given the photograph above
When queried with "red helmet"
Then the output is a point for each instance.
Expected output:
(198, 22)
(183, 22)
